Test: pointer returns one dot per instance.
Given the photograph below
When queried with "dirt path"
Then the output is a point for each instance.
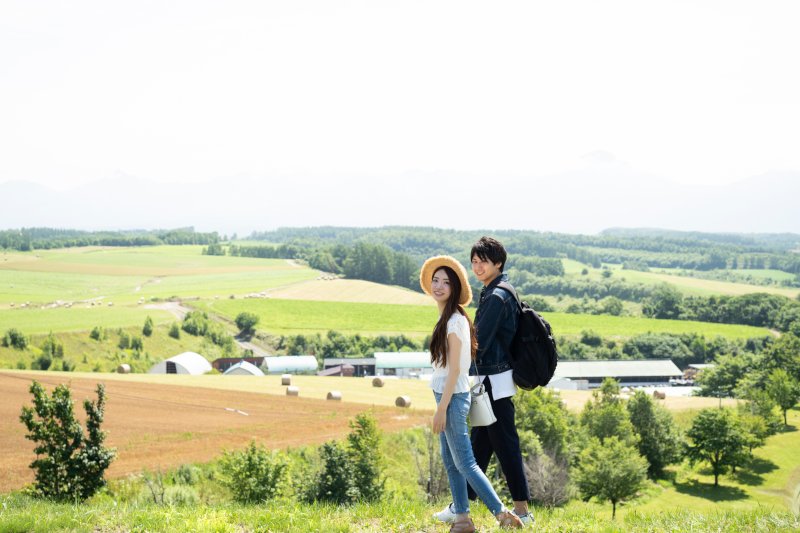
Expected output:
(176, 308)
(162, 426)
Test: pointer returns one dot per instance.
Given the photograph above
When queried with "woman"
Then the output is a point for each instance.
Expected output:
(453, 348)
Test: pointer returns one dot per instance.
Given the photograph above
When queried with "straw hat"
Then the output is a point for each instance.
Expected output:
(433, 264)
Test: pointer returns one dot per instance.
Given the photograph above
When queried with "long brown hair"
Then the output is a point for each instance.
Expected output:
(439, 337)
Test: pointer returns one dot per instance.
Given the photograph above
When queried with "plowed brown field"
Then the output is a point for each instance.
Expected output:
(162, 426)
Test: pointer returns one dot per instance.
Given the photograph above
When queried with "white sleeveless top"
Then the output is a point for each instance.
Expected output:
(456, 324)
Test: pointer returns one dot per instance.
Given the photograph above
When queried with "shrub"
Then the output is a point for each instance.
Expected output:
(175, 331)
(15, 339)
(124, 341)
(363, 447)
(69, 465)
(137, 344)
(52, 347)
(97, 333)
(335, 483)
(147, 330)
(253, 475)
(186, 475)
(246, 322)
(548, 479)
(432, 475)
(42, 362)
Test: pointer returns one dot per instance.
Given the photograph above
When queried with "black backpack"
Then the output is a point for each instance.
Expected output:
(533, 350)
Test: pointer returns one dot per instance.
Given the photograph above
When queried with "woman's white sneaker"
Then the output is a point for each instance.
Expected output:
(446, 515)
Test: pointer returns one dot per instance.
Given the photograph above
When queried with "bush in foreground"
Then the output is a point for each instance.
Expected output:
(254, 474)
(69, 465)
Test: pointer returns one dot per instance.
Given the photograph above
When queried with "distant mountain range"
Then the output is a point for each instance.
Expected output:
(577, 202)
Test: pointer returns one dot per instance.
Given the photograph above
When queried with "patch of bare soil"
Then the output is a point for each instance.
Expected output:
(162, 426)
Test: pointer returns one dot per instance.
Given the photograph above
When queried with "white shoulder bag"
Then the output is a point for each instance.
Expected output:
(480, 409)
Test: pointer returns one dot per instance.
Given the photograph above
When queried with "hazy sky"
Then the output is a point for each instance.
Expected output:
(692, 92)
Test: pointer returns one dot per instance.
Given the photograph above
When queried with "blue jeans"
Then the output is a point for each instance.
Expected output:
(459, 461)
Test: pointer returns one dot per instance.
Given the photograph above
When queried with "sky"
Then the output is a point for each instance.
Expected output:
(320, 101)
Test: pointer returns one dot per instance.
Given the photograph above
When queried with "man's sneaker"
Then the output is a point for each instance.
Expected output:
(527, 518)
(446, 515)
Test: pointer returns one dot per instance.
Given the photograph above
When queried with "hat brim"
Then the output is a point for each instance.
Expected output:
(433, 264)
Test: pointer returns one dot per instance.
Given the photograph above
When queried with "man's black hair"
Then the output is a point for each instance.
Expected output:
(488, 249)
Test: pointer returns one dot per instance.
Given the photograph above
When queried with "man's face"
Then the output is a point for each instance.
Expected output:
(484, 269)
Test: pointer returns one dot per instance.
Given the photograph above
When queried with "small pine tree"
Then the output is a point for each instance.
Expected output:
(147, 330)
(363, 447)
(97, 333)
(335, 483)
(69, 465)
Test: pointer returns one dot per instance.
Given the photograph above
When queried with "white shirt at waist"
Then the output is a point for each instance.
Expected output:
(502, 384)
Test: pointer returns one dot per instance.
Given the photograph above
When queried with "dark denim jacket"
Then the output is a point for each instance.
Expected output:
(495, 325)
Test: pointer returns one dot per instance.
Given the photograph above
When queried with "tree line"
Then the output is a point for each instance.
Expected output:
(655, 248)
(27, 239)
(756, 309)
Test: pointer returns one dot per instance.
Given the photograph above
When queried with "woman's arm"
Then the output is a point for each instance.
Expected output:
(453, 369)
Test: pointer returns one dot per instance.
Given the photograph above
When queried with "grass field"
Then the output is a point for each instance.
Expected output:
(294, 316)
(88, 354)
(124, 275)
(77, 318)
(687, 285)
(350, 290)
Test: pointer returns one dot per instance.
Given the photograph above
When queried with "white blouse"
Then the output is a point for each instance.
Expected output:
(459, 325)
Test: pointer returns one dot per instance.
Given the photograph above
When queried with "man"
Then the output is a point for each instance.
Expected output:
(495, 325)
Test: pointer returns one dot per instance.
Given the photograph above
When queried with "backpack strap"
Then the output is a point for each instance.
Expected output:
(506, 286)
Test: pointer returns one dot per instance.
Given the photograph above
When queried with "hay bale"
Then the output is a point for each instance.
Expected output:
(286, 379)
(335, 395)
(378, 382)
(124, 368)
(403, 401)
(659, 395)
(292, 391)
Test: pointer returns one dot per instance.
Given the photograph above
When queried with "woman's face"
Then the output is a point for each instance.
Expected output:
(440, 287)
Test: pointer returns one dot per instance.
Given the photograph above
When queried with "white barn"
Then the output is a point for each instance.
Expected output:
(403, 364)
(646, 372)
(243, 368)
(290, 364)
(183, 363)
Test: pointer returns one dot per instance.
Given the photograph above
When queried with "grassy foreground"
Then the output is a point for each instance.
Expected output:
(22, 514)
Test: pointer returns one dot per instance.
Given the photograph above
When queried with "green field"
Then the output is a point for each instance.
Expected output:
(293, 317)
(105, 355)
(687, 285)
(77, 318)
(125, 275)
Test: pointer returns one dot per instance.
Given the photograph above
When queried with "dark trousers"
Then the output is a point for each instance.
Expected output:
(501, 438)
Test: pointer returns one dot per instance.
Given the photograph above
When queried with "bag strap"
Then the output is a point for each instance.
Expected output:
(513, 291)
